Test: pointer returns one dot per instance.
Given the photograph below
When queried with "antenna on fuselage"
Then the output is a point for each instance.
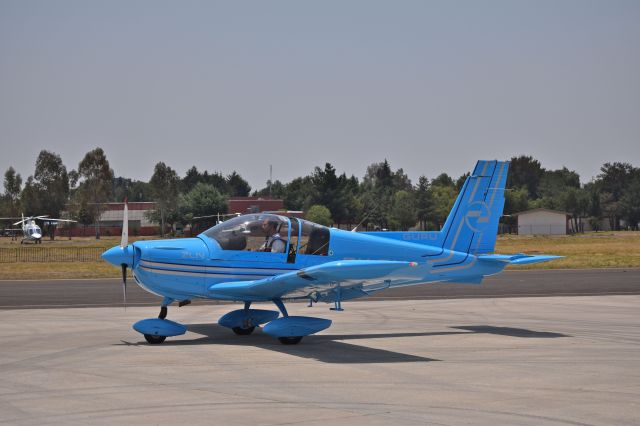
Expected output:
(361, 222)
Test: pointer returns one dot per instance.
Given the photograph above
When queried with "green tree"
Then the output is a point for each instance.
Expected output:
(190, 179)
(612, 181)
(334, 192)
(553, 186)
(96, 179)
(525, 171)
(164, 188)
(630, 202)
(319, 214)
(376, 192)
(461, 180)
(443, 199)
(443, 179)
(237, 186)
(31, 197)
(515, 201)
(53, 181)
(576, 202)
(297, 194)
(424, 202)
(12, 188)
(132, 190)
(203, 200)
(594, 209)
(403, 212)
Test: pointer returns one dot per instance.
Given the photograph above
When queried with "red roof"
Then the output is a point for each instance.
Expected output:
(254, 204)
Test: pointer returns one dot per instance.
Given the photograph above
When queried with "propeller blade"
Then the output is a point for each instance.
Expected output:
(124, 284)
(125, 226)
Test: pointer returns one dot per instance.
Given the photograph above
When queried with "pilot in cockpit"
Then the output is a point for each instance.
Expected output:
(273, 241)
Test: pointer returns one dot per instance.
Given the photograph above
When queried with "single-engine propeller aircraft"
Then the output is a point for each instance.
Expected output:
(30, 230)
(267, 257)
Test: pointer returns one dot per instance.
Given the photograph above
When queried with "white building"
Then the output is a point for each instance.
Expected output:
(542, 222)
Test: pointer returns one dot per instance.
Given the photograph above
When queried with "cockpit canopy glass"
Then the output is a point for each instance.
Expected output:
(254, 232)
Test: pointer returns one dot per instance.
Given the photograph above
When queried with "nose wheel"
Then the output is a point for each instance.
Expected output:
(154, 340)
(156, 330)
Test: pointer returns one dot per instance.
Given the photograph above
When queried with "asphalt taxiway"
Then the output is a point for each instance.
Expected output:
(516, 361)
(108, 292)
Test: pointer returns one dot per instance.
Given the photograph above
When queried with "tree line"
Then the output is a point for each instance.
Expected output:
(382, 199)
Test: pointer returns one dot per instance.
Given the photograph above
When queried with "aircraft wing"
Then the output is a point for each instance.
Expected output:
(308, 280)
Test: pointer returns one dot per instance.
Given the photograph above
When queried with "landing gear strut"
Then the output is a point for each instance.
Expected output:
(156, 330)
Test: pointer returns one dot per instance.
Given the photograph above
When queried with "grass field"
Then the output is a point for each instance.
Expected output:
(592, 250)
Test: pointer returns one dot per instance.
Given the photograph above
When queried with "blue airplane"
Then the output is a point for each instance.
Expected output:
(272, 258)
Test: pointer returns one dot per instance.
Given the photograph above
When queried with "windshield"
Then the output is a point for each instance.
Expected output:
(255, 232)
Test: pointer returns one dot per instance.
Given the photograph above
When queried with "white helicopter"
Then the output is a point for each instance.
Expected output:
(31, 231)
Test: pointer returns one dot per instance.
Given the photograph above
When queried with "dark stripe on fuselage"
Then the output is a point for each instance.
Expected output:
(219, 266)
(210, 270)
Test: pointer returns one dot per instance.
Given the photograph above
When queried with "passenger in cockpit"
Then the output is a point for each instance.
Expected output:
(273, 241)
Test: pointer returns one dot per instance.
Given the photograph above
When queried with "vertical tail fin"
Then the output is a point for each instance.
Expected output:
(472, 224)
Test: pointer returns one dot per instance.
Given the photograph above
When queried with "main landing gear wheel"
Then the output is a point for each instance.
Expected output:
(243, 331)
(294, 340)
(153, 339)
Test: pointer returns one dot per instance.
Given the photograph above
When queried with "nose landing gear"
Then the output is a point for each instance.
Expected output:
(156, 330)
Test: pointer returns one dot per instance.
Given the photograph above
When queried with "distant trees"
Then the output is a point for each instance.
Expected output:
(403, 212)
(233, 185)
(525, 172)
(618, 185)
(204, 199)
(94, 178)
(53, 183)
(12, 189)
(384, 199)
(164, 189)
(132, 190)
(423, 202)
(319, 214)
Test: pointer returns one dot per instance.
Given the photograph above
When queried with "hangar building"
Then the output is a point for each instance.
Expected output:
(542, 222)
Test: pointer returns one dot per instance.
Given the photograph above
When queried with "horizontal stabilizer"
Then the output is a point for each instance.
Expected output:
(517, 259)
(320, 277)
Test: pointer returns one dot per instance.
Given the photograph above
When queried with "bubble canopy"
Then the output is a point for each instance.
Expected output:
(247, 233)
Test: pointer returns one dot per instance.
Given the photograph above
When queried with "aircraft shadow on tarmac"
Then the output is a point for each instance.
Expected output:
(330, 348)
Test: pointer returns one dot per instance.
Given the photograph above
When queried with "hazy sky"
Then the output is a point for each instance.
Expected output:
(431, 86)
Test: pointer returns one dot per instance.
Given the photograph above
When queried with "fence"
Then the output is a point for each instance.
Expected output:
(50, 254)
